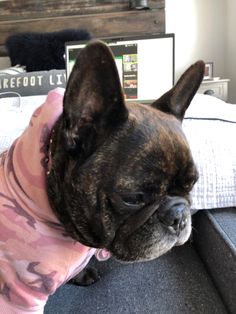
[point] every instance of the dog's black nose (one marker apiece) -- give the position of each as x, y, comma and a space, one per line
173, 213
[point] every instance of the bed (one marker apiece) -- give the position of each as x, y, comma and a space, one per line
209, 124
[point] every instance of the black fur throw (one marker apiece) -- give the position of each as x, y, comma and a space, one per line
42, 51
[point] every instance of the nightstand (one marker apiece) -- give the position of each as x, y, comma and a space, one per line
217, 88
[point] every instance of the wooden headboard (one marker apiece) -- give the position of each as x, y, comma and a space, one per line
100, 17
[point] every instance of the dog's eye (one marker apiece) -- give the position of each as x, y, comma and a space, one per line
124, 202
134, 200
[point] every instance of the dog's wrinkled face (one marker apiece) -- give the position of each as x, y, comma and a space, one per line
121, 173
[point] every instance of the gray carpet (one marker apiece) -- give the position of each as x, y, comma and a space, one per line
175, 283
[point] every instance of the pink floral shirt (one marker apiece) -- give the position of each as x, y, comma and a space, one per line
36, 256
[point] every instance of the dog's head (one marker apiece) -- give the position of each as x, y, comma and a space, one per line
121, 173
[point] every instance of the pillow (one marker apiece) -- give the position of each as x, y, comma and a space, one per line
211, 108
42, 51
33, 83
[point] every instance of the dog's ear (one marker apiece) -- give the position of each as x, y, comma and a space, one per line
177, 100
93, 103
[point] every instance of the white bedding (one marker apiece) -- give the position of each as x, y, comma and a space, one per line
15, 113
210, 126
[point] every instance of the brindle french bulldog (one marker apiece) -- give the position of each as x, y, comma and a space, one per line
121, 173
118, 177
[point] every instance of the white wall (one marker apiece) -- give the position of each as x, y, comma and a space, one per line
231, 48
199, 27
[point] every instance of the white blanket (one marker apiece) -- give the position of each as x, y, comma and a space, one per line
210, 126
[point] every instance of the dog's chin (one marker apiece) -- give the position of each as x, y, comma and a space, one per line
161, 242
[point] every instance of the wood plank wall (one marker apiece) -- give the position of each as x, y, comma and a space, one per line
101, 17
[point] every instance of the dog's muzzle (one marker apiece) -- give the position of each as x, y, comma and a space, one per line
172, 212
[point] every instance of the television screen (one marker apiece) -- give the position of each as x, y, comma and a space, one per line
145, 64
